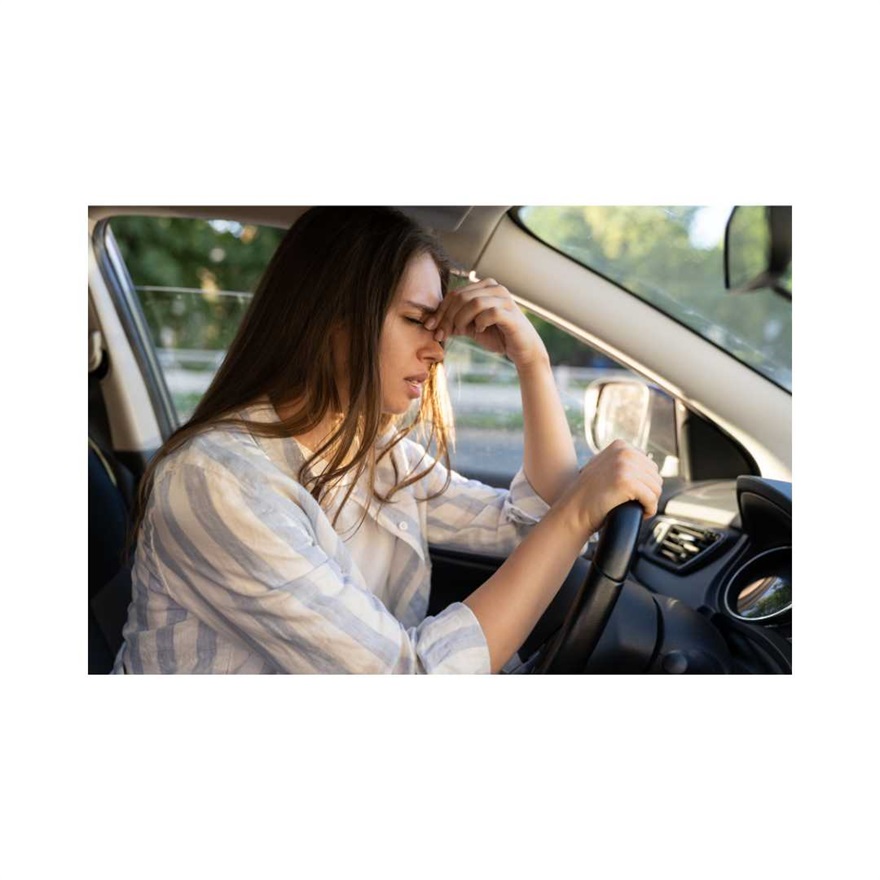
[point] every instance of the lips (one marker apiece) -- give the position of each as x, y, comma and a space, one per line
415, 383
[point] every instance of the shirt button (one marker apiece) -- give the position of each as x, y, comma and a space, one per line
402, 526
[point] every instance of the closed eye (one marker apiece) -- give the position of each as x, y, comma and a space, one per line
418, 321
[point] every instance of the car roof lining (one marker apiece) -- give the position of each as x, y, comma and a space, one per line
463, 230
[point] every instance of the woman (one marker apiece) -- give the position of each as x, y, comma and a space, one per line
285, 528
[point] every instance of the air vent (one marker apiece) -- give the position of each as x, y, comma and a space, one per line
677, 544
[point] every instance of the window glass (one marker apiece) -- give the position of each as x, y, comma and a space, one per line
485, 394
194, 280
672, 257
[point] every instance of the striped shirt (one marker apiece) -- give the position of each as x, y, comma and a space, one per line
239, 570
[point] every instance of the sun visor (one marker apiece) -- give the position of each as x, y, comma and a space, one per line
445, 218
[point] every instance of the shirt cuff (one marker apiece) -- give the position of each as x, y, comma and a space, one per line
524, 505
453, 642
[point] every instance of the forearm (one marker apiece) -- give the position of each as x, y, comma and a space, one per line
511, 602
549, 458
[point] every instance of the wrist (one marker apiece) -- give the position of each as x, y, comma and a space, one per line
539, 362
574, 512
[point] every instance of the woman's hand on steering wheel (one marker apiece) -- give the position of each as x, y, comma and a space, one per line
617, 474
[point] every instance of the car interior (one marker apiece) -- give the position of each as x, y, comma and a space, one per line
702, 587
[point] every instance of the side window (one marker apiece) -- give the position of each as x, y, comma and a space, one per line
194, 280
485, 394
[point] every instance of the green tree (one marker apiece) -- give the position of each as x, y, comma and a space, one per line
206, 270
652, 252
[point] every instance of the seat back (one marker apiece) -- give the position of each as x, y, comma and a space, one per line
109, 572
111, 491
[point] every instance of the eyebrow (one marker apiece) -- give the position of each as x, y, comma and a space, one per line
421, 306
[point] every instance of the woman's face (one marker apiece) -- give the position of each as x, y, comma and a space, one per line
406, 349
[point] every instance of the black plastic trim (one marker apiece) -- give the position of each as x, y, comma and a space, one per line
779, 220
712, 453
763, 503
754, 645
779, 561
649, 548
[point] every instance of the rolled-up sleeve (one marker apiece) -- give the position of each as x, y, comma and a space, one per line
471, 515
250, 563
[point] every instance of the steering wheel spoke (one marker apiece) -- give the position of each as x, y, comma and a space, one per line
569, 651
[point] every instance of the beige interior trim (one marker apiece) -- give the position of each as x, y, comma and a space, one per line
132, 424
465, 244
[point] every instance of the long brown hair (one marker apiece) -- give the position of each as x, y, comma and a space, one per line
335, 267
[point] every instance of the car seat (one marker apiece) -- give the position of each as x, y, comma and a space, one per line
111, 491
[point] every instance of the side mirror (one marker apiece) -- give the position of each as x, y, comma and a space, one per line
631, 410
757, 249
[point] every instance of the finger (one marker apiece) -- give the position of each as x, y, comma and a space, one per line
447, 304
636, 458
451, 302
454, 297
647, 495
480, 313
636, 475
652, 476
460, 313
491, 317
648, 470
482, 284
651, 479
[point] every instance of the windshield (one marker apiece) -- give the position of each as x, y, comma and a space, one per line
672, 257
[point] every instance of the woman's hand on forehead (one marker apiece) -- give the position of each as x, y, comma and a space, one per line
486, 312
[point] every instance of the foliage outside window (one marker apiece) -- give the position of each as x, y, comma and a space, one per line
672, 257
194, 280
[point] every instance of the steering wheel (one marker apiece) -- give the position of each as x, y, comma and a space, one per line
570, 649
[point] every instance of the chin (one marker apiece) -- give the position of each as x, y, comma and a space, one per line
398, 408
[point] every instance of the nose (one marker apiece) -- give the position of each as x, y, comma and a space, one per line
433, 352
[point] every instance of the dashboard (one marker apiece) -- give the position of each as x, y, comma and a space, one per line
723, 548
709, 590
